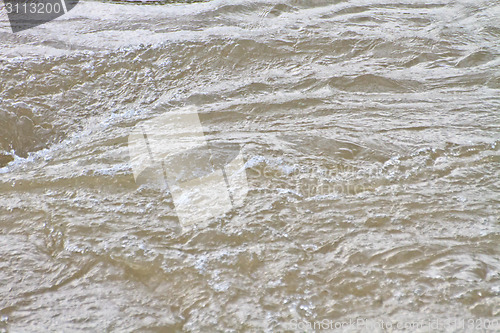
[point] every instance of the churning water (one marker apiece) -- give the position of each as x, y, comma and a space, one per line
370, 136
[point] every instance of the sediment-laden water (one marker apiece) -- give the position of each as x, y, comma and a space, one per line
370, 135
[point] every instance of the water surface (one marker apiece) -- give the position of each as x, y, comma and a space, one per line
370, 131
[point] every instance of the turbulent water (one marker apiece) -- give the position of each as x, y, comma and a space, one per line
370, 134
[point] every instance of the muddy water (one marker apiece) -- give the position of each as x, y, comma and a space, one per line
370, 134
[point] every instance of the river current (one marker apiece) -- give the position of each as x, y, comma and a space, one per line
369, 131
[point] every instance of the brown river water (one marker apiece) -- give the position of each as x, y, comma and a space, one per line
370, 135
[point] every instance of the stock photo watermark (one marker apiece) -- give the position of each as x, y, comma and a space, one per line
315, 181
205, 180
27, 14
335, 180
422, 325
